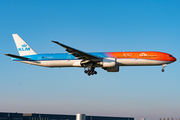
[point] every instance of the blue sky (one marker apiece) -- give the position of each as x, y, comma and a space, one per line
91, 26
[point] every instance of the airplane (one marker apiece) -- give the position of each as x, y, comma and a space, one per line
109, 61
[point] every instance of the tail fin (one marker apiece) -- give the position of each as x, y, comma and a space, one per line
22, 47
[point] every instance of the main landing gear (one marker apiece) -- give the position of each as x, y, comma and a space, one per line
90, 71
163, 66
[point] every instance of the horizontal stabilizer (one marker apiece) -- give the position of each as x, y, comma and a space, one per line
16, 56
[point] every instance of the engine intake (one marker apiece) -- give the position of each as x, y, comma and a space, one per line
109, 62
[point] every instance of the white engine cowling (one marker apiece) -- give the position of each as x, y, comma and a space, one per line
113, 69
109, 62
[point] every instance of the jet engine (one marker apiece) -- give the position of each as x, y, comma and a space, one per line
109, 62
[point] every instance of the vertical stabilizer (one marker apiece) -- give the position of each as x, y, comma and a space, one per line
22, 47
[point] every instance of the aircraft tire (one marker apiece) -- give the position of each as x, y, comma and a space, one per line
86, 71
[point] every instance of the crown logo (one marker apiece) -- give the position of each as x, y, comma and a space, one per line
24, 45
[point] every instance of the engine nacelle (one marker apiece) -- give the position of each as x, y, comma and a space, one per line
109, 62
113, 69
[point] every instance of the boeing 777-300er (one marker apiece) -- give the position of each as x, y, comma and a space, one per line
109, 61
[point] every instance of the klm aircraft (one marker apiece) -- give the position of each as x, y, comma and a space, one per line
109, 61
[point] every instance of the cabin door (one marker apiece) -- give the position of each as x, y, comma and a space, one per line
160, 56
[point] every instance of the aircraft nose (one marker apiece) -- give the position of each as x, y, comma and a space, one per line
173, 59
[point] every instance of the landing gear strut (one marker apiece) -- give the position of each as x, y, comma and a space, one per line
163, 66
90, 71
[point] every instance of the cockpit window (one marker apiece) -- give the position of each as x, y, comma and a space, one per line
170, 56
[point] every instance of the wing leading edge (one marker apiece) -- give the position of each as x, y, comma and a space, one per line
79, 54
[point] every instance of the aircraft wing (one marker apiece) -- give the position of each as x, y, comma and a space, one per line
16, 56
79, 54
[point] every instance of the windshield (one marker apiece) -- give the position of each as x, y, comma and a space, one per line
170, 56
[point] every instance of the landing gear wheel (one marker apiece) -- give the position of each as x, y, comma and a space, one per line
163, 66
89, 74
90, 71
86, 71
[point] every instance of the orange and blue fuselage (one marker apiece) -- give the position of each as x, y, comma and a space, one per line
143, 58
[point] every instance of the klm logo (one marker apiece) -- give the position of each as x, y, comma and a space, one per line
24, 48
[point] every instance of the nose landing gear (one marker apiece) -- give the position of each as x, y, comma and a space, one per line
163, 66
90, 71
